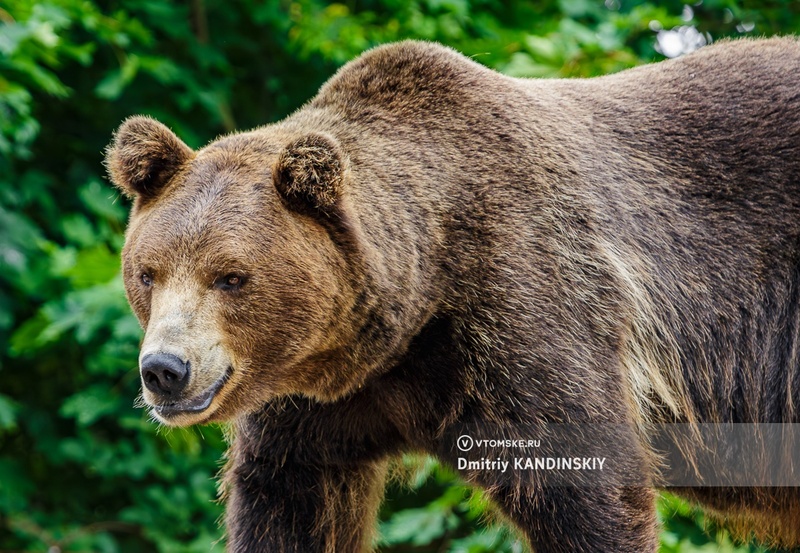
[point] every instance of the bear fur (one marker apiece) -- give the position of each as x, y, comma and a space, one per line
428, 246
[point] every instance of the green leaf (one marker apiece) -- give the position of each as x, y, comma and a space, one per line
102, 200
8, 413
88, 405
117, 80
78, 230
93, 266
417, 526
491, 540
27, 337
523, 65
41, 77
543, 48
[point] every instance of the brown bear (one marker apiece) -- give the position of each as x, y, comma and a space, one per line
430, 252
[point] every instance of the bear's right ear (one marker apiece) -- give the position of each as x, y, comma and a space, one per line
143, 156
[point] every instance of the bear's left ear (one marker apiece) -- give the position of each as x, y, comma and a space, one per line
309, 173
144, 156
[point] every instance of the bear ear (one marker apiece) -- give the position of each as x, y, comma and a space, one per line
309, 173
143, 156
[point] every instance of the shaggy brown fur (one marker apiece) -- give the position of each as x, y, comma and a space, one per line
429, 246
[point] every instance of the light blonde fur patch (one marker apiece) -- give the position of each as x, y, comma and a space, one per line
649, 355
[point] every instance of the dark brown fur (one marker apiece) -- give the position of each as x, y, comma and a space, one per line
429, 246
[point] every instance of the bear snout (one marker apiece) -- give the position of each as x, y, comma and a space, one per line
164, 374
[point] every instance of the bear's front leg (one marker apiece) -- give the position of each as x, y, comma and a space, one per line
307, 477
303, 509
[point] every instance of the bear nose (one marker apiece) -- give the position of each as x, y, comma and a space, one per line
164, 374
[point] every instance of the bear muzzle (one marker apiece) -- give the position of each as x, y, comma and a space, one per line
195, 404
166, 378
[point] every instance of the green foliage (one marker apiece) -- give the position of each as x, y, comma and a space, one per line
81, 469
433, 511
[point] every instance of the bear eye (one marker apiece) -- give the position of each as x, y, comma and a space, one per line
147, 279
230, 282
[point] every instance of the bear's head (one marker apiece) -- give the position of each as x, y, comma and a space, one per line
241, 265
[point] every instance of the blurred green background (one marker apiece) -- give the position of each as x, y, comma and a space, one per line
80, 468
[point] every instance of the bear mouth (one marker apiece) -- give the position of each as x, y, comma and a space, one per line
196, 404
